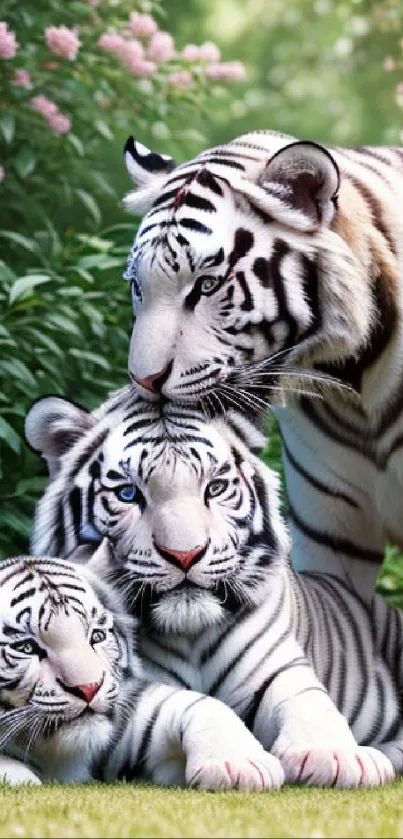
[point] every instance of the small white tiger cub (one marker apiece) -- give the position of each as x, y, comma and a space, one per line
195, 540
75, 707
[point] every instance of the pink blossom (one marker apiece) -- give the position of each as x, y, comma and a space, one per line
2, 174
93, 2
62, 41
22, 78
181, 80
131, 54
226, 72
389, 64
60, 123
144, 68
142, 25
111, 42
161, 47
209, 52
44, 106
8, 41
191, 52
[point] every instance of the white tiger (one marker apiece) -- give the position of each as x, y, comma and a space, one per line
74, 703
266, 254
195, 541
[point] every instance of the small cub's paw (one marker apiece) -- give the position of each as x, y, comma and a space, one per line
361, 766
257, 773
15, 773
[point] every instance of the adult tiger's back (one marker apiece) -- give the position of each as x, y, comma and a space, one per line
268, 246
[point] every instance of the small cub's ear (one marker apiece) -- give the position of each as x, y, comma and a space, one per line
53, 425
305, 177
149, 170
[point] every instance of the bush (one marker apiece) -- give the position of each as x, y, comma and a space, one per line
74, 76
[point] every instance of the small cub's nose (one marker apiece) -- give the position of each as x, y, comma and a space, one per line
182, 558
154, 382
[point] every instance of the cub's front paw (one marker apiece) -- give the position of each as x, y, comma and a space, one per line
14, 772
257, 772
361, 766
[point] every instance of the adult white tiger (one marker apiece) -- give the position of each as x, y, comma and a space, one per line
201, 552
267, 244
75, 705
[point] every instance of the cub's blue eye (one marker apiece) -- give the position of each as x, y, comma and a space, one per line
28, 646
126, 493
208, 285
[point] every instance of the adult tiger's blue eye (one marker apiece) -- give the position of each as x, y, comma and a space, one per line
126, 493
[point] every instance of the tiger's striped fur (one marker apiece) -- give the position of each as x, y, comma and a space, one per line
74, 703
196, 543
267, 246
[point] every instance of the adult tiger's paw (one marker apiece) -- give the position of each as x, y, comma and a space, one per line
15, 773
361, 766
256, 772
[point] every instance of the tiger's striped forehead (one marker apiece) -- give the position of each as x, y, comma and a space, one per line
33, 590
180, 446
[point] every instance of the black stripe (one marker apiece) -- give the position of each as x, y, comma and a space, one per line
199, 203
335, 543
193, 224
314, 481
249, 717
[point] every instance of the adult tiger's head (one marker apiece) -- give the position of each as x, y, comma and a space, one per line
241, 256
190, 514
65, 655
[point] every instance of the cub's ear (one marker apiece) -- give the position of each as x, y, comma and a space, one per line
304, 177
53, 425
149, 170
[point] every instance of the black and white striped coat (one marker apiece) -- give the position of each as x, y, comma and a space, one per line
268, 255
75, 705
195, 541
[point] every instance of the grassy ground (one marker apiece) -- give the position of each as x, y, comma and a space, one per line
128, 811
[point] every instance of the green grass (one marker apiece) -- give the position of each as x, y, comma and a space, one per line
123, 810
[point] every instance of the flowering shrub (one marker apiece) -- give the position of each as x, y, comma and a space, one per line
73, 77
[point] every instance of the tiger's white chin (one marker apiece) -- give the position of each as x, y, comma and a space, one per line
187, 612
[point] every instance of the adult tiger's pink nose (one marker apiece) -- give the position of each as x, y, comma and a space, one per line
88, 692
154, 382
182, 558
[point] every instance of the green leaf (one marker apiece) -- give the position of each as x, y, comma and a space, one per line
104, 129
101, 262
25, 285
90, 203
18, 369
25, 162
18, 239
85, 355
60, 323
77, 144
7, 127
95, 242
9, 436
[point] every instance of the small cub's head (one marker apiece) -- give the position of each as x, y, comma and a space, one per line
64, 655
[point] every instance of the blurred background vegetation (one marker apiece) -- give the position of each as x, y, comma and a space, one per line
326, 70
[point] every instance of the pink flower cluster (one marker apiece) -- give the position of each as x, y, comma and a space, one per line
22, 78
180, 80
129, 51
228, 71
144, 26
62, 41
206, 52
58, 122
8, 41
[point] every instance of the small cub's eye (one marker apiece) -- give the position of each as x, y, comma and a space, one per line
126, 493
216, 487
209, 284
97, 636
27, 647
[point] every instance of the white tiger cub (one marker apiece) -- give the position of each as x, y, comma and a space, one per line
196, 542
75, 706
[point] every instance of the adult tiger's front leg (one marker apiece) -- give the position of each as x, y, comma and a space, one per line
312, 739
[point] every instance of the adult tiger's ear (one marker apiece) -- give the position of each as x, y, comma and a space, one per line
303, 180
149, 170
53, 425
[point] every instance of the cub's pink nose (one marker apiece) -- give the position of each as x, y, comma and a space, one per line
182, 558
88, 692
154, 382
